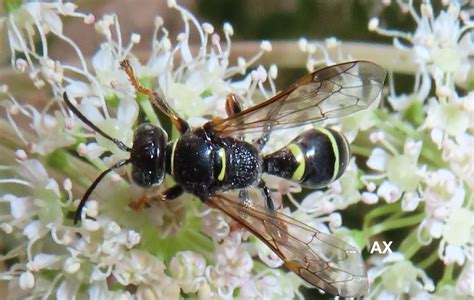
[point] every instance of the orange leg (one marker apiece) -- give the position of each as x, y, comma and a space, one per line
232, 105
144, 201
170, 194
180, 124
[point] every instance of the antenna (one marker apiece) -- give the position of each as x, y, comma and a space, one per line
83, 118
77, 216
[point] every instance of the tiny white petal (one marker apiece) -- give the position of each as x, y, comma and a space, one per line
20, 63
90, 225
228, 29
68, 289
331, 42
373, 24
7, 228
410, 201
262, 74
21, 154
327, 207
103, 60
26, 280
303, 44
69, 7
53, 21
454, 254
215, 39
135, 38
92, 151
389, 191
273, 71
369, 198
378, 159
82, 150
371, 186
53, 186
19, 207
32, 230
266, 46
33, 171
133, 239
46, 261
437, 135
436, 229
67, 184
335, 220
89, 19
92, 208
208, 28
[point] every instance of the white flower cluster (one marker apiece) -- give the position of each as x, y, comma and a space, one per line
433, 175
173, 249
414, 169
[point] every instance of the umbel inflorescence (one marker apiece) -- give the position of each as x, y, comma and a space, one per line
414, 171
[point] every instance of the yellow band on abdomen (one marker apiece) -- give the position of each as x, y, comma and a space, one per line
335, 150
299, 157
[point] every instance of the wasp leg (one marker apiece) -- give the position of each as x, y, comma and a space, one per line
275, 226
232, 105
169, 194
262, 141
142, 202
244, 196
269, 204
178, 122
172, 193
245, 200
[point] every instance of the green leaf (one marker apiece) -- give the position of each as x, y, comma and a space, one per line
11, 5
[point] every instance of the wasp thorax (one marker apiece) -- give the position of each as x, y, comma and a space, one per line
148, 155
314, 158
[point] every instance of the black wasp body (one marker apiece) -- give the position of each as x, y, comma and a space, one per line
203, 164
214, 161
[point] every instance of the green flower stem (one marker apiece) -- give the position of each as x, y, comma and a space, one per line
378, 212
403, 127
427, 262
394, 224
166, 248
198, 241
395, 216
360, 150
429, 152
447, 275
410, 245
68, 165
98, 163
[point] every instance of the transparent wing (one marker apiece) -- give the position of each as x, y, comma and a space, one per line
329, 92
321, 259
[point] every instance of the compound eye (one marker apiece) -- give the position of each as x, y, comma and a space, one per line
148, 155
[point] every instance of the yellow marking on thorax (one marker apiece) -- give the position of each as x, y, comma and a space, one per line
299, 156
222, 156
172, 156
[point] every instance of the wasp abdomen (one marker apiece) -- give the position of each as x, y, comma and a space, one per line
315, 158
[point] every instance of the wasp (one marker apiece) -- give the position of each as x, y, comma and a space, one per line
214, 163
